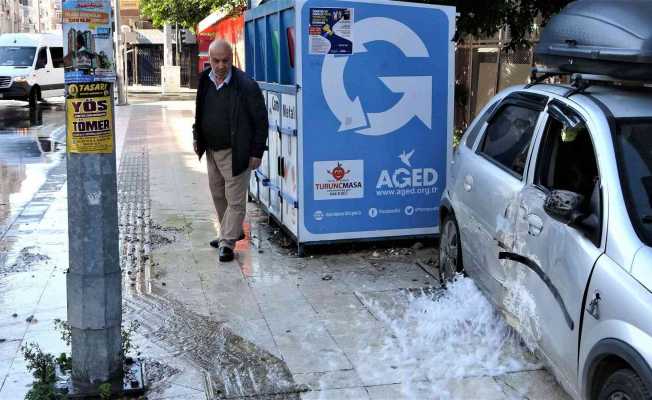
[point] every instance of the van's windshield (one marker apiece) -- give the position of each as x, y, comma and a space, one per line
634, 152
17, 56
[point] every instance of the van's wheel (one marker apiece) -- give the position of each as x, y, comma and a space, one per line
450, 250
34, 96
624, 384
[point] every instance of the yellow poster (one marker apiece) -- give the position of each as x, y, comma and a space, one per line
89, 120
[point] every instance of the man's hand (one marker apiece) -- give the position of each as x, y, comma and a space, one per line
254, 163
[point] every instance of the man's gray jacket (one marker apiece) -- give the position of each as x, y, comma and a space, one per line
249, 123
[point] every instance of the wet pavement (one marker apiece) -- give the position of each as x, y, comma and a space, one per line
31, 144
346, 322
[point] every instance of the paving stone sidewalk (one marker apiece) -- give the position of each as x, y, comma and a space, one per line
347, 322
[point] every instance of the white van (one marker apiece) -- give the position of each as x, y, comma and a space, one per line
31, 66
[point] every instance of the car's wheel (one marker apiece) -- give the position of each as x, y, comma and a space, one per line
34, 95
624, 384
450, 250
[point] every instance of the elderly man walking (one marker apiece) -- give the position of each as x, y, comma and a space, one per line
231, 128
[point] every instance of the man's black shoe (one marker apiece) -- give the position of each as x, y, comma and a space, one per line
226, 254
216, 242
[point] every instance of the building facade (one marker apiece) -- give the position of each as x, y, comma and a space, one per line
30, 16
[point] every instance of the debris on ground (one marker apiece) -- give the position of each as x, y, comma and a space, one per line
156, 371
26, 259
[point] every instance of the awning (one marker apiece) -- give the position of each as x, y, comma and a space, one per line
210, 20
145, 36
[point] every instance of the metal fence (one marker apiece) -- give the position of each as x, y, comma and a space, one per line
144, 65
188, 62
481, 71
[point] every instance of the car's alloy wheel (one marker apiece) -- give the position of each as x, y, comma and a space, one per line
624, 384
450, 254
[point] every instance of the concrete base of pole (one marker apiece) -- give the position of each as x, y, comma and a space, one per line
170, 79
132, 385
92, 369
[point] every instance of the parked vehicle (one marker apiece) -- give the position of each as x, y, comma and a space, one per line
549, 205
31, 66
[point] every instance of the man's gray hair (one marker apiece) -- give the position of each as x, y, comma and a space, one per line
218, 43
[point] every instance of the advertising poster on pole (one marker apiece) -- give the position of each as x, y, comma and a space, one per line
88, 42
89, 118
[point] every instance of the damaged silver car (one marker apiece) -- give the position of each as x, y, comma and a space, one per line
549, 203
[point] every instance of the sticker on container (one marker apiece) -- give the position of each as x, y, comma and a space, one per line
89, 119
342, 179
331, 31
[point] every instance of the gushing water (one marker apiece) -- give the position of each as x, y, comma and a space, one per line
453, 334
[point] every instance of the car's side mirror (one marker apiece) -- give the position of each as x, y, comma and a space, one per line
562, 114
564, 206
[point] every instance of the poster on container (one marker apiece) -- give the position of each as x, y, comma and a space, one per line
330, 30
380, 120
89, 119
88, 41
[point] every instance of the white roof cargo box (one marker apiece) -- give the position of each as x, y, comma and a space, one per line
601, 37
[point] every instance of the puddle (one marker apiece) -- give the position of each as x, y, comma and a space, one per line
17, 116
448, 334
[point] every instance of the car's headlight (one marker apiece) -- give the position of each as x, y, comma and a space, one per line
20, 78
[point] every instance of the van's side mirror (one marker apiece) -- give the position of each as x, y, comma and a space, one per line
564, 206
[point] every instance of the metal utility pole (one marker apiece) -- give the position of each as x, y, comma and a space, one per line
167, 45
94, 292
119, 57
170, 75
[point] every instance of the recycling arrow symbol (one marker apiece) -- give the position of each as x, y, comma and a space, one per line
417, 90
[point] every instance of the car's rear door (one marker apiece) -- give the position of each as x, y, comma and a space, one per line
493, 181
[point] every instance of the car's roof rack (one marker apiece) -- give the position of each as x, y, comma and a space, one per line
581, 81
539, 74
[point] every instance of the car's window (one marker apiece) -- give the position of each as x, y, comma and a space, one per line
508, 136
17, 56
567, 161
56, 53
634, 152
477, 128
42, 59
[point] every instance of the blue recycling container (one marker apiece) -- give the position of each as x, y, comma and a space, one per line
360, 103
